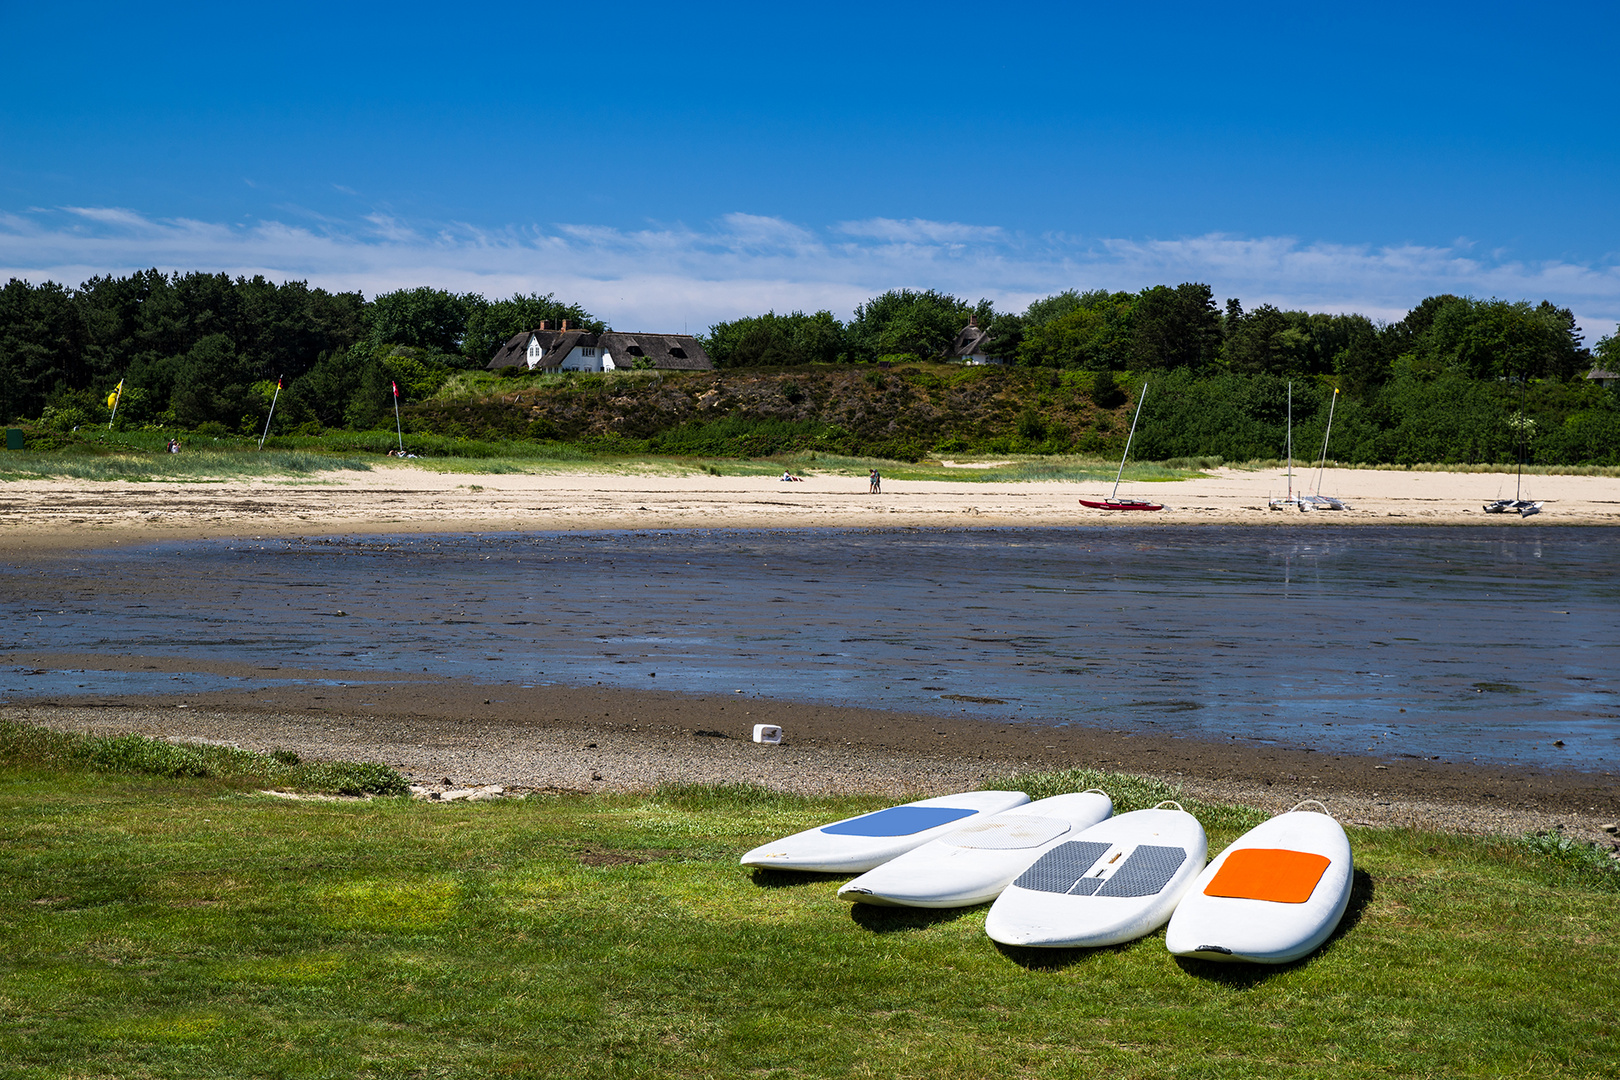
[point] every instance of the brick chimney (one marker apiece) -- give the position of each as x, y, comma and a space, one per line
973, 321
565, 326
542, 324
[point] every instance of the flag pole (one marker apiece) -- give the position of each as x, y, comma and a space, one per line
397, 429
116, 397
267, 419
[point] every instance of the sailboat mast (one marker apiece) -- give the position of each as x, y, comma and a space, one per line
1290, 442
1518, 483
1128, 438
1325, 436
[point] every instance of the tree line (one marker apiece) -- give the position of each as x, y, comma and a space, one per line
1177, 327
1458, 379
200, 349
206, 351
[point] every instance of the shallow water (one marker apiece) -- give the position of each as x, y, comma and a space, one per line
1480, 642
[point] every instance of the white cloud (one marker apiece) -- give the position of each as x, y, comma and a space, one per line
389, 228
668, 275
918, 231
109, 215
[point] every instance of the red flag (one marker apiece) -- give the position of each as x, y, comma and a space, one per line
395, 385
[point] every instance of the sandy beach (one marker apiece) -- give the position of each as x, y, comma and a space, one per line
68, 513
595, 739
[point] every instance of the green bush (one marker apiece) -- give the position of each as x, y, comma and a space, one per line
136, 754
744, 436
346, 778
1127, 792
1579, 857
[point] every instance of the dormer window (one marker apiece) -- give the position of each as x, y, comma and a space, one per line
678, 352
587, 350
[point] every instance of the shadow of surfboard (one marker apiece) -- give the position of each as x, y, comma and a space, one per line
1058, 959
889, 920
766, 877
1242, 976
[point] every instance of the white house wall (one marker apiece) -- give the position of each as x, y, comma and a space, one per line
576, 360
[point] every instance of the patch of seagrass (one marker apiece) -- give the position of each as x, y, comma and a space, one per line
1148, 870
1060, 868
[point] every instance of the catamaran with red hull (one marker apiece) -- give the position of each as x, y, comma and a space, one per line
1121, 504
1113, 502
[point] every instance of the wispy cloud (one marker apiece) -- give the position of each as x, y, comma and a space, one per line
667, 275
109, 215
918, 231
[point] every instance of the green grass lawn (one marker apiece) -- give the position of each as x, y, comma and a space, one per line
185, 926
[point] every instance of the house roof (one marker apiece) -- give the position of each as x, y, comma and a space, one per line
972, 340
510, 354
1602, 373
667, 352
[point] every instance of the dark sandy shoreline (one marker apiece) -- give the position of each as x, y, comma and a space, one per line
602, 738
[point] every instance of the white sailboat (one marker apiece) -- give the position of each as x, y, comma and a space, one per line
1518, 504
1291, 499
1319, 501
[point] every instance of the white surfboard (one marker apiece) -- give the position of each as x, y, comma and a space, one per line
1272, 897
976, 862
860, 843
1116, 881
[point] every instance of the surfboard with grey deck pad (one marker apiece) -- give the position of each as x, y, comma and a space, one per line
1119, 880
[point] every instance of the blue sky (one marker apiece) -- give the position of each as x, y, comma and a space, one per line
669, 164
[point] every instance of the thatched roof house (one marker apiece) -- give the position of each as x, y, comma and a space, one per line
971, 345
581, 350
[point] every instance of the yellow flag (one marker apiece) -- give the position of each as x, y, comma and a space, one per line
112, 398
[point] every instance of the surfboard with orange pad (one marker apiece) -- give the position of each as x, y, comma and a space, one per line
1274, 896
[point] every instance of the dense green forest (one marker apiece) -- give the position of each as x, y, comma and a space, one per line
1457, 380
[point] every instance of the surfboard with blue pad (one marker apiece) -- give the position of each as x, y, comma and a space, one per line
973, 864
898, 821
860, 843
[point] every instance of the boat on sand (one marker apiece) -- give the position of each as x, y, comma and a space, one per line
1113, 502
1518, 504
1319, 501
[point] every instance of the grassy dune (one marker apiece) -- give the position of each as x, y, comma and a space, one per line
306, 457
194, 467
184, 926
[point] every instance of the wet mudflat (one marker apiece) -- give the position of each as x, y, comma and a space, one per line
1444, 644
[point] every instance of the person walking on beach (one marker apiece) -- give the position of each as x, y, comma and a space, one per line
874, 482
